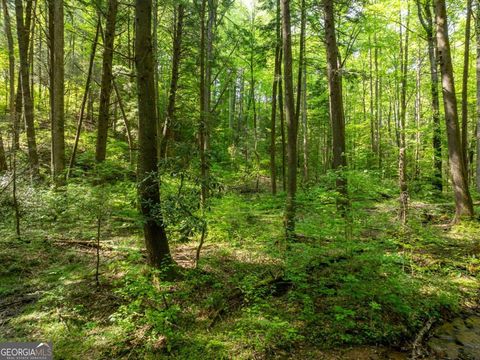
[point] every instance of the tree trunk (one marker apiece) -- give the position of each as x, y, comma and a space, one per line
336, 106
276, 80
203, 108
177, 49
58, 125
11, 79
206, 48
477, 29
23, 27
291, 122
3, 159
425, 16
301, 61
106, 87
148, 185
372, 98
84, 98
282, 122
402, 156
305, 125
11, 69
466, 58
463, 200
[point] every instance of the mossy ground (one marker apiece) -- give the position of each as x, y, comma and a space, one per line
343, 283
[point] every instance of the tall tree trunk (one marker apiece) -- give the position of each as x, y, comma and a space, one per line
466, 58
282, 122
11, 80
291, 122
23, 27
51, 61
276, 80
301, 60
377, 103
148, 185
177, 49
477, 34
11, 70
336, 105
204, 107
206, 59
84, 98
300, 108
157, 78
253, 100
106, 87
372, 98
418, 116
58, 125
426, 19
402, 156
304, 124
463, 200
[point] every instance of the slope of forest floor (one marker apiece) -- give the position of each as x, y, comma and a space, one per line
364, 287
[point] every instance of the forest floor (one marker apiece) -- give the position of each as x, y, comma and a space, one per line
366, 288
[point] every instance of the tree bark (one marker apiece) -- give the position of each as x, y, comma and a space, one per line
58, 125
336, 105
290, 208
148, 185
206, 48
23, 27
463, 200
282, 123
301, 60
304, 124
466, 58
106, 87
477, 30
276, 79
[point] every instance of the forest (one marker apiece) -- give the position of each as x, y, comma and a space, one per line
240, 179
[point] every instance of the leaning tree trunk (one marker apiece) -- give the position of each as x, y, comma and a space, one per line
23, 27
84, 98
336, 106
148, 185
291, 123
463, 200
106, 87
177, 50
